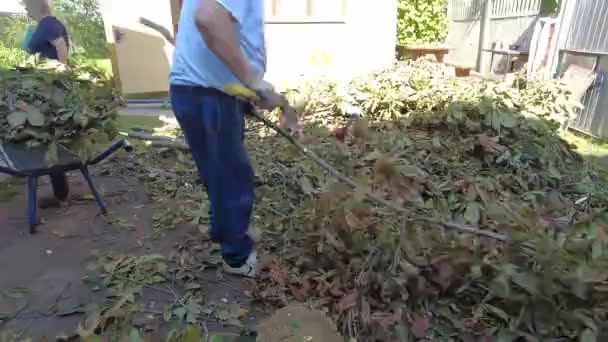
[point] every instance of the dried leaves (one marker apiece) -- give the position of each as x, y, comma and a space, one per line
451, 151
47, 105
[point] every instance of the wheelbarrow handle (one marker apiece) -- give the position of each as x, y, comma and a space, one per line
105, 154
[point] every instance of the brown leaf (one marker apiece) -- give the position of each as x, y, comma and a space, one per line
409, 189
336, 292
340, 133
300, 291
472, 193
354, 222
483, 194
361, 129
445, 274
490, 145
387, 319
366, 312
386, 169
602, 231
276, 273
347, 302
420, 327
486, 338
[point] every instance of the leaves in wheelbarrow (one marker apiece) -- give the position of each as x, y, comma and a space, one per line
45, 105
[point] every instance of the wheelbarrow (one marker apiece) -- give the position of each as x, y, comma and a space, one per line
20, 161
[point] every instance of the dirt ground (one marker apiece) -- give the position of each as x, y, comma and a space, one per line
41, 274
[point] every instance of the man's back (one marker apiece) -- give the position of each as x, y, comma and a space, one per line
195, 65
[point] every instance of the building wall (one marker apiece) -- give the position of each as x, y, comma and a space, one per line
335, 38
361, 40
11, 6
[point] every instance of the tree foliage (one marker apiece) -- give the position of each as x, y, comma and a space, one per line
81, 17
85, 25
421, 21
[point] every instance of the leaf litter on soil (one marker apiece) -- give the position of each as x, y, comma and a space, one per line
471, 152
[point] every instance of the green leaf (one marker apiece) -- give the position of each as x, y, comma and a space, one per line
506, 336
51, 157
507, 119
472, 213
35, 117
588, 335
134, 336
597, 249
180, 313
17, 119
167, 313
192, 334
485, 106
496, 120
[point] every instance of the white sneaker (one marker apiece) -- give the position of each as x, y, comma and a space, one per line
248, 268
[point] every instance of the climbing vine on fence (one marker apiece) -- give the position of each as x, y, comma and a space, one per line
421, 21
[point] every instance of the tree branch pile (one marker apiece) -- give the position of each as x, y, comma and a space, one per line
472, 153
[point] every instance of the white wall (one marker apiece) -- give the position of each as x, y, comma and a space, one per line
11, 6
362, 41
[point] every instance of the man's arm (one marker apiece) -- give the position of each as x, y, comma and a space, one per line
62, 49
216, 25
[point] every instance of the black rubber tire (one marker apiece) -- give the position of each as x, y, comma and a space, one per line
61, 188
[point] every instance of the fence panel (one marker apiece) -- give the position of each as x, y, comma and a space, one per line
464, 9
515, 8
511, 21
587, 35
589, 31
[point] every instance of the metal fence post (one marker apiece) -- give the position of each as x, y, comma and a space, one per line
484, 35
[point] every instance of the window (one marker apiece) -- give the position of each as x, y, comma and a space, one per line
306, 10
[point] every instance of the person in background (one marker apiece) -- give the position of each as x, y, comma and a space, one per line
51, 41
221, 42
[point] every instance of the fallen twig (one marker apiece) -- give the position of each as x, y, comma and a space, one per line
146, 137
171, 144
159, 141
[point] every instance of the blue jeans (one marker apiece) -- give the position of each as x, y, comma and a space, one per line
213, 124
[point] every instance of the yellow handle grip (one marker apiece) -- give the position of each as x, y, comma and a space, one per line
236, 89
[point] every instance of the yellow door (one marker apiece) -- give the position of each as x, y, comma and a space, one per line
141, 57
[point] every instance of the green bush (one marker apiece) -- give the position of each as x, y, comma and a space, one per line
82, 19
421, 21
12, 29
85, 25
10, 57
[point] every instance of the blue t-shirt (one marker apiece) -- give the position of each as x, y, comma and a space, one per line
49, 29
195, 65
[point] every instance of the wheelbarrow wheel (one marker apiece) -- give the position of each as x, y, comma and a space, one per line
61, 188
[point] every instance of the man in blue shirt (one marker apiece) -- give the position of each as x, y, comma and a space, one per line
50, 40
221, 42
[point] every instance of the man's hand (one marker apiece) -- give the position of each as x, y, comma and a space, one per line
62, 49
268, 98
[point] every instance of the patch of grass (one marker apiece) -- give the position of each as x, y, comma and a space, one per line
104, 64
126, 122
592, 149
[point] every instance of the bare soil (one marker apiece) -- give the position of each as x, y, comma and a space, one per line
42, 274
